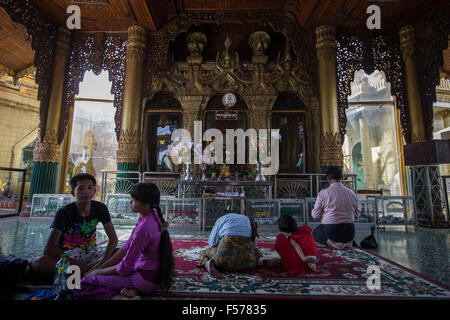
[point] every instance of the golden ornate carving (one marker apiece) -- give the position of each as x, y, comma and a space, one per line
227, 61
326, 51
196, 42
192, 105
47, 149
63, 42
258, 82
129, 147
129, 140
416, 138
259, 42
331, 150
228, 74
408, 42
293, 76
137, 40
135, 53
137, 35
260, 107
407, 36
326, 42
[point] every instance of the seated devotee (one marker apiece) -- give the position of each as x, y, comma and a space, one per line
73, 230
231, 245
14, 270
337, 208
145, 262
298, 251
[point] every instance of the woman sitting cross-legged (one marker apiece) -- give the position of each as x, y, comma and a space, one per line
298, 251
231, 245
145, 262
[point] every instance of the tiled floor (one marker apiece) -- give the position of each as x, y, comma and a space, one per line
426, 251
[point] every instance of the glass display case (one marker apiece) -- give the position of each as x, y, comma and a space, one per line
265, 213
46, 205
119, 209
295, 208
12, 191
183, 214
395, 211
215, 207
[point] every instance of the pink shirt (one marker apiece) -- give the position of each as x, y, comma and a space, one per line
142, 247
336, 204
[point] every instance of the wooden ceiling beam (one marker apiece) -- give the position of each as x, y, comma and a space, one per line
51, 11
305, 10
144, 14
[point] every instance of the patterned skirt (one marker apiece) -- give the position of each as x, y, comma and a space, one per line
234, 253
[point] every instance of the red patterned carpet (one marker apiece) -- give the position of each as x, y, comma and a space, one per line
340, 274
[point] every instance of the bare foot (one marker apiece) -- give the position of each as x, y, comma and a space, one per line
211, 268
311, 259
129, 293
120, 297
312, 266
335, 245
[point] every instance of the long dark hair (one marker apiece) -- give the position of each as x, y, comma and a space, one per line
149, 193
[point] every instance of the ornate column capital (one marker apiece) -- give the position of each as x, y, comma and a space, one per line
326, 42
47, 149
407, 42
192, 105
331, 150
63, 42
137, 42
260, 107
129, 150
260, 103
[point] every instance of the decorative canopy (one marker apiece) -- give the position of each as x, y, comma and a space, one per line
115, 16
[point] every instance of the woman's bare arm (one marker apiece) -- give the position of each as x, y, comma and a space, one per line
114, 260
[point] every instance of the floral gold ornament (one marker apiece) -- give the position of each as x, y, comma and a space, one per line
129, 147
48, 148
331, 150
136, 43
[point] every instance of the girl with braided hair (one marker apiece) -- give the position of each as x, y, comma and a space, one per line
144, 264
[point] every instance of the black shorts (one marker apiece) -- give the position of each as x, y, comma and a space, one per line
344, 232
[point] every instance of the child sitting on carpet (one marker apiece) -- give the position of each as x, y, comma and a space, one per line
298, 251
145, 262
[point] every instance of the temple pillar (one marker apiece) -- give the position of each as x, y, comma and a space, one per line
408, 47
47, 153
425, 184
330, 139
192, 105
65, 154
260, 107
129, 152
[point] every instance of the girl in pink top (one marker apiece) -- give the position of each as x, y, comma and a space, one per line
145, 262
